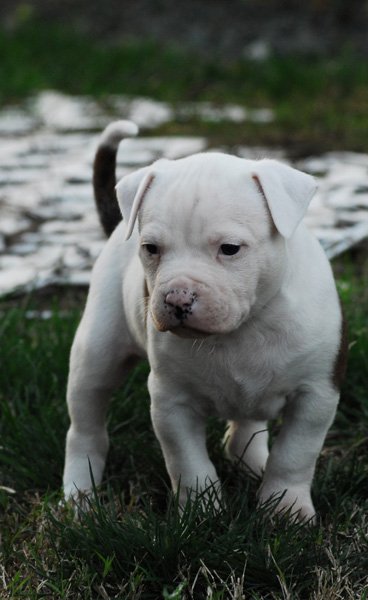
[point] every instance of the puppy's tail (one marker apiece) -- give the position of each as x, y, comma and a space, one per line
104, 168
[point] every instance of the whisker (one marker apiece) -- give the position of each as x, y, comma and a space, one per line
200, 345
143, 301
212, 350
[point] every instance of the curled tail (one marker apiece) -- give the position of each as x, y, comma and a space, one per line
104, 168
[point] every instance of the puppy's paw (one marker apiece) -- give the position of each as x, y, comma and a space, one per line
295, 501
76, 496
78, 501
208, 497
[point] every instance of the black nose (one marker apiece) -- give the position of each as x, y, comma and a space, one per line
181, 313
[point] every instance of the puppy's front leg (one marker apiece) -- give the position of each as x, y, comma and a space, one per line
291, 464
182, 435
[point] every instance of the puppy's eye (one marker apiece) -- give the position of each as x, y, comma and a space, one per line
229, 249
151, 248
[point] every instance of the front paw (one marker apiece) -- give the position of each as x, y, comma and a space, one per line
74, 495
294, 500
207, 495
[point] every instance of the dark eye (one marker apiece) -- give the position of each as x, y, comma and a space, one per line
229, 249
151, 248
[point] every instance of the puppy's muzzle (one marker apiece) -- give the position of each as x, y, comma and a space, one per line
185, 304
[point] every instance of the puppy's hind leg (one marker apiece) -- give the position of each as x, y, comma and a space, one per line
91, 383
101, 357
247, 441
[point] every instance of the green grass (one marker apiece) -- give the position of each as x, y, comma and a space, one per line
131, 543
318, 103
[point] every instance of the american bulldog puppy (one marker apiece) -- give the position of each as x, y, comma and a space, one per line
211, 275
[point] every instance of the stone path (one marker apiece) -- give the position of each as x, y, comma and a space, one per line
49, 232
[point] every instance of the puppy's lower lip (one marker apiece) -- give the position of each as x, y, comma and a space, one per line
189, 332
181, 330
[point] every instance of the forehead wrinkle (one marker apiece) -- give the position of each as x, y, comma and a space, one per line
197, 198
179, 199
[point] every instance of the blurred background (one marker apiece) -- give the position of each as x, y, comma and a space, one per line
257, 78
307, 61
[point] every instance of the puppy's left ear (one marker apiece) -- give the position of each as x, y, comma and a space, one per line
130, 192
287, 191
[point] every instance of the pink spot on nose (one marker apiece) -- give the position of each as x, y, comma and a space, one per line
181, 300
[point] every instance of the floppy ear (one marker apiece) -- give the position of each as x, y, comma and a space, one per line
287, 191
130, 192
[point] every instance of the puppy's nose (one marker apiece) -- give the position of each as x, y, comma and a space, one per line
181, 300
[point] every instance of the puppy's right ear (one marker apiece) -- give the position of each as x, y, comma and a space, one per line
130, 192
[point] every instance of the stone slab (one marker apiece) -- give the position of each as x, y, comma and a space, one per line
49, 230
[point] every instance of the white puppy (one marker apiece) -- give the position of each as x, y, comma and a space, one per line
213, 277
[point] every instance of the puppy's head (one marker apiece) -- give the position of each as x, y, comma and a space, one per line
212, 230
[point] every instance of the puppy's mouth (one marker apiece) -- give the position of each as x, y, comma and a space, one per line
189, 332
181, 329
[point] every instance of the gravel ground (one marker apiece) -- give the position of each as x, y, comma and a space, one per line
49, 231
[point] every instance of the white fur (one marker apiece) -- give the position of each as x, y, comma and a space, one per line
260, 332
117, 130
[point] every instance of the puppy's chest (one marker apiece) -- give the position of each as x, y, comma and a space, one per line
242, 383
